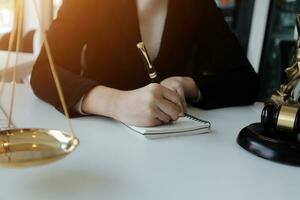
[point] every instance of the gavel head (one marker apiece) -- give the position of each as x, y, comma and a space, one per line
281, 119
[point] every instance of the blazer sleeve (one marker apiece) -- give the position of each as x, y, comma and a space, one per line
67, 37
223, 73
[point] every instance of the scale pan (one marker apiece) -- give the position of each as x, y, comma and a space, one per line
33, 147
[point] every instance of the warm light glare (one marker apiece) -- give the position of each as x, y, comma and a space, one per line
56, 6
6, 16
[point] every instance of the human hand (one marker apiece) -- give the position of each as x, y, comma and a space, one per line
184, 86
148, 106
176, 84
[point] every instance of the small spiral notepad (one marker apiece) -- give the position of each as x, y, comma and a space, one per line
188, 125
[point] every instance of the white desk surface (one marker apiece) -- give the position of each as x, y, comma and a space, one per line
24, 67
114, 163
23, 58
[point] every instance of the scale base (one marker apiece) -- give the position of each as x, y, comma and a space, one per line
270, 145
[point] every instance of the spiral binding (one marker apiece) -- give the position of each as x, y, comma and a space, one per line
197, 119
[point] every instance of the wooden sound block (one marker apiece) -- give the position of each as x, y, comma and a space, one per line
279, 147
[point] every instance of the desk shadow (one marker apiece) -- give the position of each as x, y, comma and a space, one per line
63, 182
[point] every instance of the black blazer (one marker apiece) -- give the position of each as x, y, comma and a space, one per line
196, 42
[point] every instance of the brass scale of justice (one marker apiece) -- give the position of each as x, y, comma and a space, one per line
32, 146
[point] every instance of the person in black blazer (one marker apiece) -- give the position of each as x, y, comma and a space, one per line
94, 48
